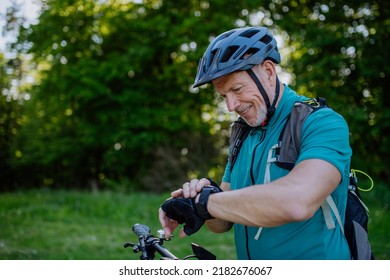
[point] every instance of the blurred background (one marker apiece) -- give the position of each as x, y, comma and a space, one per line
98, 114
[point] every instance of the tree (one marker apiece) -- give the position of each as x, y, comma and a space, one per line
338, 51
12, 96
112, 101
6, 124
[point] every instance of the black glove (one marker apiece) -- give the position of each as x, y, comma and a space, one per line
183, 210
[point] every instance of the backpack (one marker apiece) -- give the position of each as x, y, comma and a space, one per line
287, 150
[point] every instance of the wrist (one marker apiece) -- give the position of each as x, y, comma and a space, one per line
201, 201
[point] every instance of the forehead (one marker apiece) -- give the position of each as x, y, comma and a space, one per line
228, 81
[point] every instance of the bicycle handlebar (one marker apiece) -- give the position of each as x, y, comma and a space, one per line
148, 245
141, 230
163, 251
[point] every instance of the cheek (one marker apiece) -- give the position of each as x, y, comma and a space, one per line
258, 100
257, 97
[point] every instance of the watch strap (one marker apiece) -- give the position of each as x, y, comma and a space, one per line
201, 205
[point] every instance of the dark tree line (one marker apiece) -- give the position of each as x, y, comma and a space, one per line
98, 93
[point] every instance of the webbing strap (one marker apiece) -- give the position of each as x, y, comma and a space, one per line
333, 206
270, 159
260, 87
327, 215
326, 206
258, 233
267, 176
270, 107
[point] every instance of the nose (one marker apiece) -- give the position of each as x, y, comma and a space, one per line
232, 102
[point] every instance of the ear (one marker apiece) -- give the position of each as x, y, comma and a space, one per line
270, 69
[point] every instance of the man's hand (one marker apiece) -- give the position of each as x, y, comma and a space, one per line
180, 209
192, 188
175, 211
168, 225
188, 190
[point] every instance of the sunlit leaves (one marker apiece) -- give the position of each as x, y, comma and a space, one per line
110, 93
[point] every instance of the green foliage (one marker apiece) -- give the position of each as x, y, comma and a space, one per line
112, 105
112, 98
340, 53
10, 120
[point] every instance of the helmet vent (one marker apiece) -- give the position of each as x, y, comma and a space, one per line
250, 52
249, 33
266, 39
211, 57
228, 53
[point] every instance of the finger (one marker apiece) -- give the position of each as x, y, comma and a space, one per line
193, 187
172, 225
202, 183
165, 223
162, 217
186, 190
177, 193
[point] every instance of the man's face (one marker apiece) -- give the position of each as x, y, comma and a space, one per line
242, 95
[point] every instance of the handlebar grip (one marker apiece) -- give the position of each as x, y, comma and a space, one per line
141, 230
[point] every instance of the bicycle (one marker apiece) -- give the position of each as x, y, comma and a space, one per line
148, 245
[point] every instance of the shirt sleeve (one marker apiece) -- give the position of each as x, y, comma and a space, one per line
227, 173
325, 135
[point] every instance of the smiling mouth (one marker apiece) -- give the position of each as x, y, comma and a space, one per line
243, 112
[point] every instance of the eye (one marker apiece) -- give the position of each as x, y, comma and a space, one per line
237, 90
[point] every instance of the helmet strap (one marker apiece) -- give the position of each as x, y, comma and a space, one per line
270, 108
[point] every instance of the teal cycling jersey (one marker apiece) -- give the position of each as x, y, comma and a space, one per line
325, 136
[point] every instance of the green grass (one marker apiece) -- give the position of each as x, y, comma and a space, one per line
62, 225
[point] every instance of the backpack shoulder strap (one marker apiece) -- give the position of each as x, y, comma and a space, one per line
240, 131
289, 148
290, 137
326, 207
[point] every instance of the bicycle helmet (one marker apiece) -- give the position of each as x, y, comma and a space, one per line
236, 50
